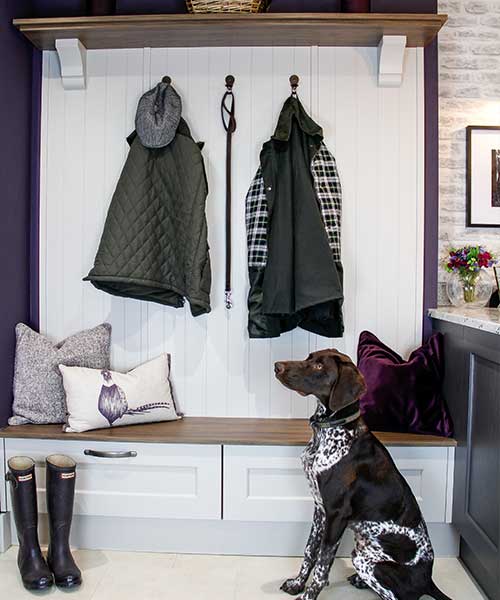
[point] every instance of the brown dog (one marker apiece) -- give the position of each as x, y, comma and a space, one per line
355, 484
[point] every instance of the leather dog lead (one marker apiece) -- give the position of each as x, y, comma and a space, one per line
229, 122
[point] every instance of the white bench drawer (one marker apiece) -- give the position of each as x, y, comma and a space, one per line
266, 483
429, 473
161, 481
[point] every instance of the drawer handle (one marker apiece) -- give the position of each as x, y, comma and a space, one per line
110, 454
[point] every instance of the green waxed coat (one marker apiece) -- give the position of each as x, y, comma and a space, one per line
301, 284
154, 245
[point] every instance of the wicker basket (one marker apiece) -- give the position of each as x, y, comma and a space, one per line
233, 6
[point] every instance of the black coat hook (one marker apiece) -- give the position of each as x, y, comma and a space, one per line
167, 80
294, 82
229, 83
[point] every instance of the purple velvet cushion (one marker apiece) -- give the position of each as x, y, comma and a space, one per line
404, 396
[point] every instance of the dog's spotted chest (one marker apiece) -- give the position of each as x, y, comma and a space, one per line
327, 447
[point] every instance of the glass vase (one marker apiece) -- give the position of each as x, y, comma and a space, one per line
471, 290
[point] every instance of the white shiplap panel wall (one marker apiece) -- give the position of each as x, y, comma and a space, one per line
377, 137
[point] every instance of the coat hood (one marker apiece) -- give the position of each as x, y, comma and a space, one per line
293, 109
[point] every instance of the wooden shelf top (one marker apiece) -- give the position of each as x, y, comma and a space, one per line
201, 30
204, 430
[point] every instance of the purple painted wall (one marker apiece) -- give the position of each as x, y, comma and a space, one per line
36, 114
305, 6
431, 214
57, 8
72, 8
16, 58
404, 6
54, 8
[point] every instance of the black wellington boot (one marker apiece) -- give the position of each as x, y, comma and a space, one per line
34, 571
61, 473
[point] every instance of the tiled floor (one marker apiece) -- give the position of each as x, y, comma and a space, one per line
124, 576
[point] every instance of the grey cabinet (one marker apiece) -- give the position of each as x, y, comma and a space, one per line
472, 388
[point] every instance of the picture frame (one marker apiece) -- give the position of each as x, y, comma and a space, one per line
483, 176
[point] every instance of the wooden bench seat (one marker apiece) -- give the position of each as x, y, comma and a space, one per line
209, 430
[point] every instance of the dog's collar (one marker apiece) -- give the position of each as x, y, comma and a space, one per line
334, 420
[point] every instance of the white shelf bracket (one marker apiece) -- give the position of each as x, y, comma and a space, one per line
391, 51
73, 60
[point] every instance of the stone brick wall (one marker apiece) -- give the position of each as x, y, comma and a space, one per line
469, 67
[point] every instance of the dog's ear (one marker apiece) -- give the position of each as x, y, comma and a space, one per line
349, 386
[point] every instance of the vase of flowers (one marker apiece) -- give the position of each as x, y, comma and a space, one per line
469, 284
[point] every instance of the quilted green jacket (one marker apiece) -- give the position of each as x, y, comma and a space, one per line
154, 245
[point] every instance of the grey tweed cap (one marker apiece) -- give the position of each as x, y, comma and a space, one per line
158, 116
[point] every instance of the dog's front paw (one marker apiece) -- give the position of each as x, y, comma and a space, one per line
308, 594
293, 587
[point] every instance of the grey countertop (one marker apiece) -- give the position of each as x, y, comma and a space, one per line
485, 319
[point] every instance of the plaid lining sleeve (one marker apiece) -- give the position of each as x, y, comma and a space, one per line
256, 221
329, 194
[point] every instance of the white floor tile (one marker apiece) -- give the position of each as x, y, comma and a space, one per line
132, 576
94, 566
451, 577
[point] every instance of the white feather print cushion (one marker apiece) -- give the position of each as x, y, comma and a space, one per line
99, 398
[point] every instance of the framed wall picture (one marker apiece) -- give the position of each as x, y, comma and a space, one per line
483, 176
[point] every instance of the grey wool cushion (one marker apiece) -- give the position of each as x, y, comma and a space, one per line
38, 388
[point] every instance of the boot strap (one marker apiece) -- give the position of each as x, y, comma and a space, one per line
12, 479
